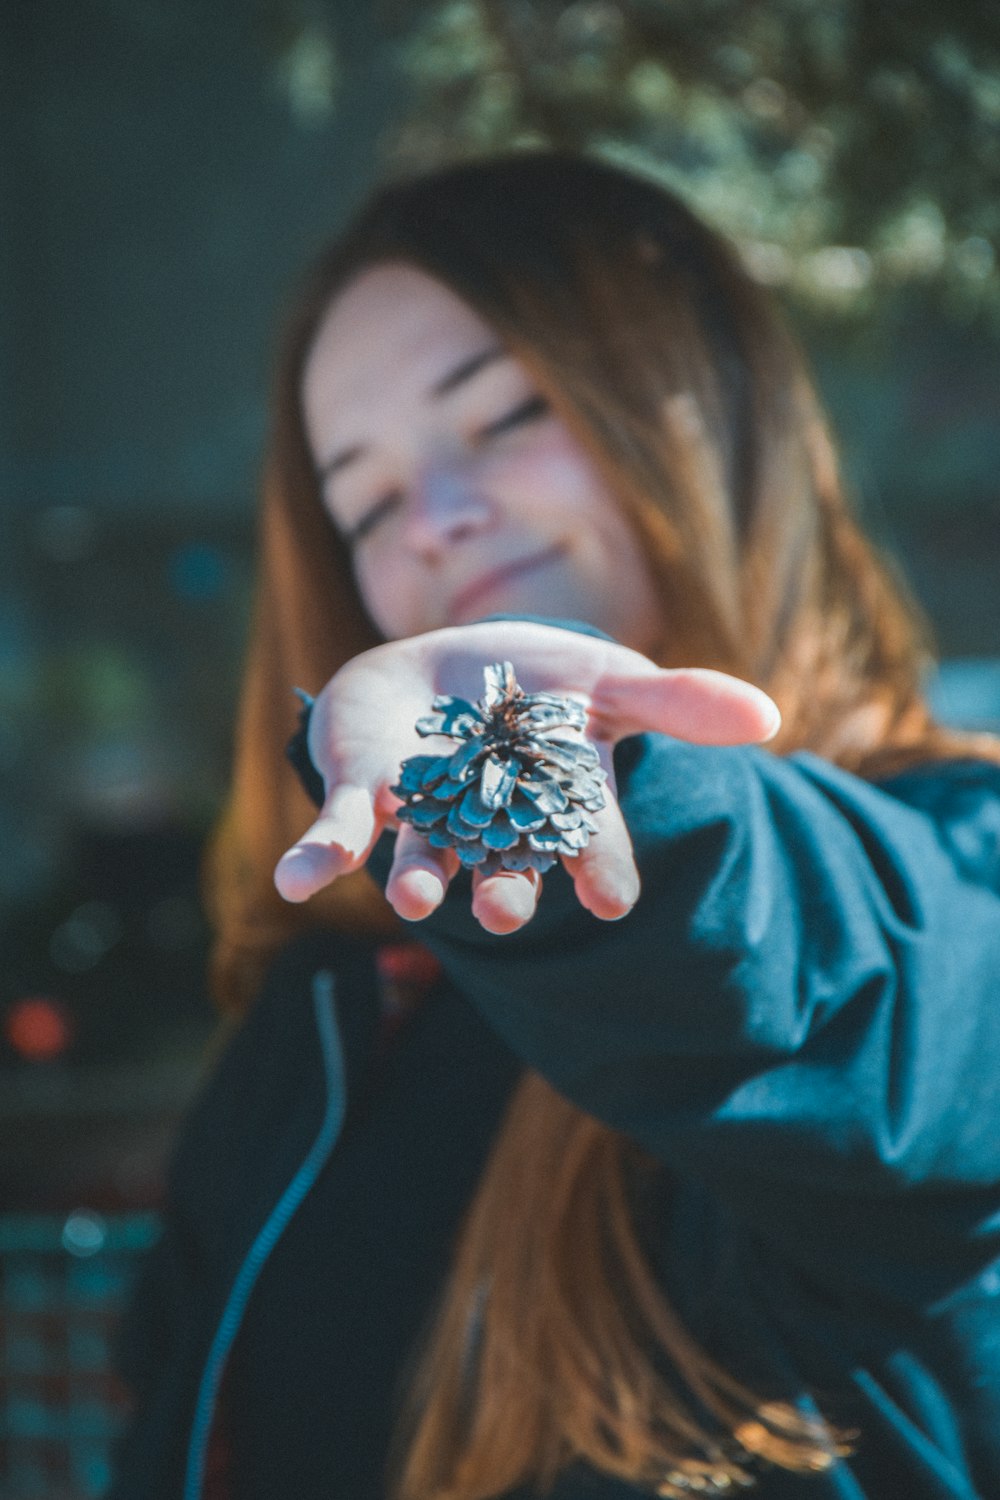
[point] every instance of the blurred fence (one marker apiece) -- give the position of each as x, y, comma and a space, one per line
63, 1281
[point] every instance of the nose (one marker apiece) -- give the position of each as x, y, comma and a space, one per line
444, 506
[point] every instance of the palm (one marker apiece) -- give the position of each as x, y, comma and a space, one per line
363, 727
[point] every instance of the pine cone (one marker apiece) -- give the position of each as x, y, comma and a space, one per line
512, 796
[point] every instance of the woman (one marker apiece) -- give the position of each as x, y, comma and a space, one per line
683, 1177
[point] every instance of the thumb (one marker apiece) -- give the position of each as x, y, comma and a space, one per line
338, 842
696, 704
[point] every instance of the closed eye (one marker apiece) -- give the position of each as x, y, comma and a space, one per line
529, 410
380, 511
526, 411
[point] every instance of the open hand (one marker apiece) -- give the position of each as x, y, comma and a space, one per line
362, 728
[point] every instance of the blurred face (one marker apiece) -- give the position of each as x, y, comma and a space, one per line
459, 493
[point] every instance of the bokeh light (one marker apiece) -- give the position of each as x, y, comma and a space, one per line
38, 1027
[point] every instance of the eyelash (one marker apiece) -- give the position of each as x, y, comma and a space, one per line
371, 518
527, 411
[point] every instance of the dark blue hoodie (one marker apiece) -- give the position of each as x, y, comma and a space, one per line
800, 1020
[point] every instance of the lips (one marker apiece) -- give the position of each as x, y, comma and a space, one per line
469, 598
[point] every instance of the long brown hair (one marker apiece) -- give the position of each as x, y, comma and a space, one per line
674, 370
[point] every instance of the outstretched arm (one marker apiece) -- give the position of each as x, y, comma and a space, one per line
800, 1004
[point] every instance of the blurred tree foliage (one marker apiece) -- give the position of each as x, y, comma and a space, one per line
850, 147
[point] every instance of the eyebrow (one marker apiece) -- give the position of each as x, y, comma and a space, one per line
443, 387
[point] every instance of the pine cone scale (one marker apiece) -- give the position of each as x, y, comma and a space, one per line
512, 795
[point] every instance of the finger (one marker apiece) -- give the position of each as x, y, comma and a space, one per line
604, 873
339, 841
420, 875
695, 703
505, 901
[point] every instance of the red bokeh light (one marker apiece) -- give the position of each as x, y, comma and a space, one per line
38, 1027
407, 963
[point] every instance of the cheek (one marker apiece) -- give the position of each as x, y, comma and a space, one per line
385, 590
568, 495
577, 490
552, 481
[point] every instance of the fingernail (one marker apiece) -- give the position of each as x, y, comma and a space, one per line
502, 903
774, 725
426, 887
609, 900
304, 868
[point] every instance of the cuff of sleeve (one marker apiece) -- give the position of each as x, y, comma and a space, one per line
297, 751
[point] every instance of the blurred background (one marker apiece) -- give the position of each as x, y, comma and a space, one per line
168, 168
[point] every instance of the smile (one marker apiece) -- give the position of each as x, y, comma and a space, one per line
468, 599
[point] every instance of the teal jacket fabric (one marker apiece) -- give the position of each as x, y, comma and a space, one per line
800, 1021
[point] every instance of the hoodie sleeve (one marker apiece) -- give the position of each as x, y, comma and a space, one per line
806, 989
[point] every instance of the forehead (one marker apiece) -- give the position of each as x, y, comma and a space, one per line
392, 329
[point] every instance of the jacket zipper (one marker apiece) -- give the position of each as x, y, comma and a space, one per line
272, 1230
